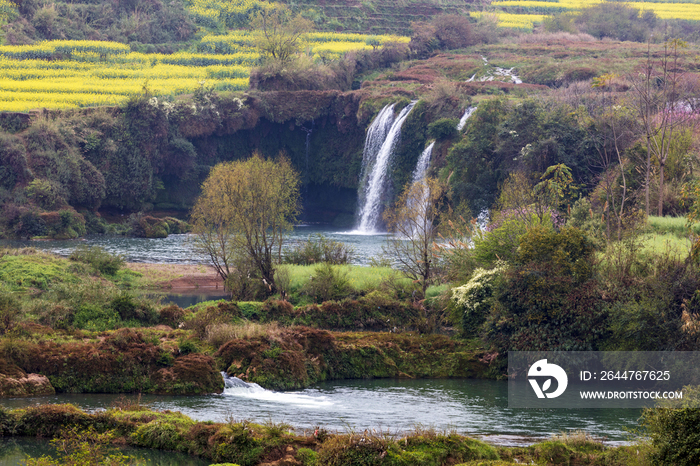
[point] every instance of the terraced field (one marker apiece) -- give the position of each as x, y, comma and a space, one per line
65, 74
523, 14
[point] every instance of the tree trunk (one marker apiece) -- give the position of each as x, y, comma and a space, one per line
647, 175
661, 189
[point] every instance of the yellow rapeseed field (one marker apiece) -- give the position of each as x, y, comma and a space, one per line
533, 11
64, 74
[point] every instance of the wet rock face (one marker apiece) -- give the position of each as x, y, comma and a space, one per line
15, 382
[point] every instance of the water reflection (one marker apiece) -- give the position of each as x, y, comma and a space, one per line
13, 452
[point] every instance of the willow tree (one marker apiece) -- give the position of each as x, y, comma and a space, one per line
245, 210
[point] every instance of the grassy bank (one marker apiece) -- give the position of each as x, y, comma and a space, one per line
248, 444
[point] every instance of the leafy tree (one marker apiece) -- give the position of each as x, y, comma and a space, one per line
412, 220
245, 209
278, 33
549, 299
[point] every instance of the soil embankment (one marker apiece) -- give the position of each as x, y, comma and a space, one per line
179, 278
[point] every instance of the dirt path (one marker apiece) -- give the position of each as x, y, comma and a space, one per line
179, 277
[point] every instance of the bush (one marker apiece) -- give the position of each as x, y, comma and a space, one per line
187, 346
47, 194
453, 31
473, 300
98, 258
444, 128
130, 309
674, 429
172, 315
222, 313
548, 299
319, 248
96, 318
218, 334
9, 311
327, 284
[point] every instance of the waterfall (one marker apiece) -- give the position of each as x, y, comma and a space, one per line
376, 134
423, 164
418, 176
465, 117
381, 140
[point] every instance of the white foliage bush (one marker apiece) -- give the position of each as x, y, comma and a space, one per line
473, 298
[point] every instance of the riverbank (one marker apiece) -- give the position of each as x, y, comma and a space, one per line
250, 444
178, 278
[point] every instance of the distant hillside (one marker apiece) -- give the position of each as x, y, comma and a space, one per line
166, 26
377, 16
126, 21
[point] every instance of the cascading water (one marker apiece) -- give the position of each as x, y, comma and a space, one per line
423, 164
235, 387
381, 140
376, 134
463, 121
418, 176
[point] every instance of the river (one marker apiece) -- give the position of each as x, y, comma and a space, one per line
474, 407
177, 249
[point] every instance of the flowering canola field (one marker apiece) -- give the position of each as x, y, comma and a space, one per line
65, 74
532, 11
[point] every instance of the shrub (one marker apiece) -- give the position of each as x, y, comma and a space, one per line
187, 346
319, 248
95, 317
674, 429
9, 311
220, 314
474, 299
444, 128
82, 446
98, 258
47, 194
328, 283
452, 31
130, 309
172, 315
548, 300
218, 334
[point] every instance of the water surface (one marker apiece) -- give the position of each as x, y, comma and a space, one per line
178, 249
473, 407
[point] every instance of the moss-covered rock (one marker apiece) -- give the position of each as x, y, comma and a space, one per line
300, 356
123, 362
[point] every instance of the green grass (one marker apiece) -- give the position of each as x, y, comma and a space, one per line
666, 243
362, 279
38, 270
676, 225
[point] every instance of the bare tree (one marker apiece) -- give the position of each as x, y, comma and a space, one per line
613, 128
665, 102
412, 220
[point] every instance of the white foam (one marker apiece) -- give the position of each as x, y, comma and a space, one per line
236, 387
